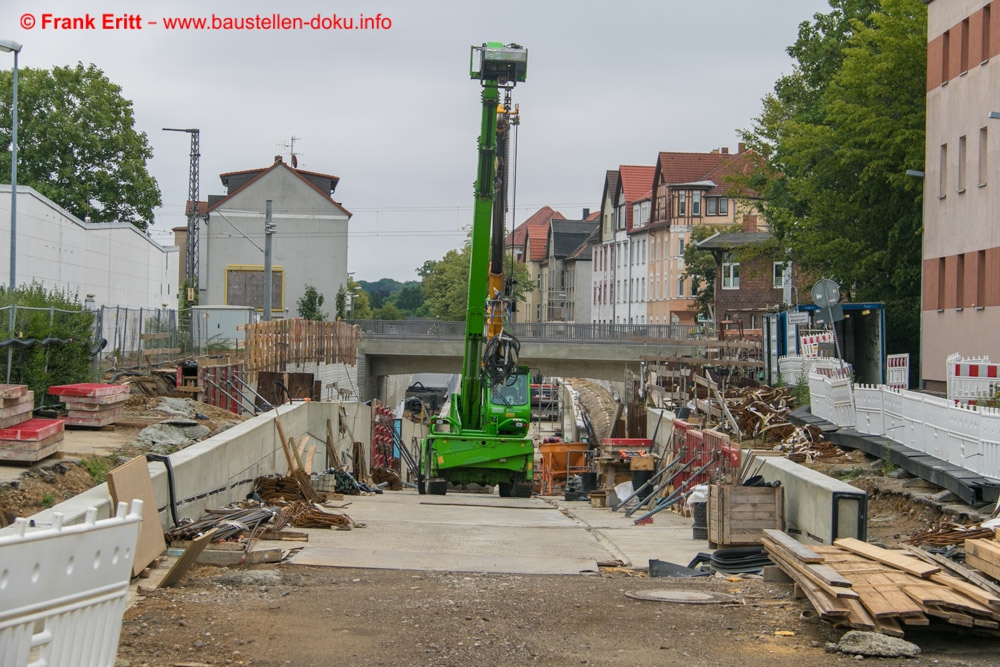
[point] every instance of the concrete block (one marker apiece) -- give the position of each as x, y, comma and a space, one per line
818, 508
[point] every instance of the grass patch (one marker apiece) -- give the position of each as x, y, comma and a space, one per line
48, 500
97, 468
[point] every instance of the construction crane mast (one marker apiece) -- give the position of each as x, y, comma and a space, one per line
194, 178
483, 438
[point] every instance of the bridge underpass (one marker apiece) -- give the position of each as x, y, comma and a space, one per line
599, 352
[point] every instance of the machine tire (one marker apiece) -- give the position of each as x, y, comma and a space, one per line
505, 489
421, 489
522, 490
436, 487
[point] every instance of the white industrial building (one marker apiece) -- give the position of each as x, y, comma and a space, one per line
114, 261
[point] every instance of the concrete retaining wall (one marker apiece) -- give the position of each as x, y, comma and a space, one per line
221, 469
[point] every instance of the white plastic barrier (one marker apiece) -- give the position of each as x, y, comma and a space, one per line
972, 379
832, 399
868, 408
62, 590
898, 370
790, 368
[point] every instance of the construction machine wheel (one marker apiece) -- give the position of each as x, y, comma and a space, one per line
505, 489
436, 487
421, 489
522, 490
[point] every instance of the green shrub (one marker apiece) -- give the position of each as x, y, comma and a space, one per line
97, 468
42, 367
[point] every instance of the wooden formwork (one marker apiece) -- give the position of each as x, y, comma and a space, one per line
271, 346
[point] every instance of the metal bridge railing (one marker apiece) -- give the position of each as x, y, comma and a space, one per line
530, 331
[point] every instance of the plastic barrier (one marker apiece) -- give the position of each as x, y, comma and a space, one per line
63, 590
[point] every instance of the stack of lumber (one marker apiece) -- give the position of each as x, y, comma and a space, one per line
984, 555
869, 588
23, 439
92, 404
16, 404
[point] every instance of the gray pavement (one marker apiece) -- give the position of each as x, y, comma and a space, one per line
485, 533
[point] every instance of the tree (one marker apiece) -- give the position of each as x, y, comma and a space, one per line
410, 298
836, 138
310, 303
446, 287
77, 144
389, 312
699, 266
341, 303
360, 308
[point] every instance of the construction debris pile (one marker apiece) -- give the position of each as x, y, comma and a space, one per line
866, 587
23, 439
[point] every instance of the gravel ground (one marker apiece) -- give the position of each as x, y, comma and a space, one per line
277, 615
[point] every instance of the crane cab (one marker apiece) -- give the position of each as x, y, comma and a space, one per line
509, 405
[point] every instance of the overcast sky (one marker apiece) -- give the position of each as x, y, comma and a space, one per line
394, 114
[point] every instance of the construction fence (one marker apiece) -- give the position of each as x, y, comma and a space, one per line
274, 345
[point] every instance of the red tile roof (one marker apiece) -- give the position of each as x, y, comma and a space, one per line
594, 216
634, 182
535, 228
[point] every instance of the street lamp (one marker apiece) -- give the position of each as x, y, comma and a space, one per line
8, 46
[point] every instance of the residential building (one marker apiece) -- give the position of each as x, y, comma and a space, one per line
748, 287
961, 240
627, 256
563, 267
113, 261
309, 244
688, 190
528, 244
603, 255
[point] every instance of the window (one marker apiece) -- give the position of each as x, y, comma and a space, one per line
945, 51
960, 282
980, 279
245, 286
643, 253
538, 313
680, 204
730, 272
942, 267
680, 286
779, 274
985, 55
943, 180
983, 156
964, 54
642, 293
711, 206
723, 206
961, 164
696, 204
680, 246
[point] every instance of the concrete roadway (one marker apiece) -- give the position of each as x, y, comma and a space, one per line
486, 533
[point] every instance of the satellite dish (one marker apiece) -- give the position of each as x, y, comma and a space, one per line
825, 293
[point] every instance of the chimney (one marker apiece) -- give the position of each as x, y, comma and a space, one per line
277, 158
741, 147
725, 150
586, 213
750, 224
715, 151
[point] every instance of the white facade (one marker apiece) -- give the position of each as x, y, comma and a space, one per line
309, 245
114, 261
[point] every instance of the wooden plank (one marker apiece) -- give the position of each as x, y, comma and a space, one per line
187, 559
309, 459
126, 483
984, 555
957, 569
858, 616
809, 574
332, 459
165, 350
788, 543
154, 336
896, 559
981, 596
888, 626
